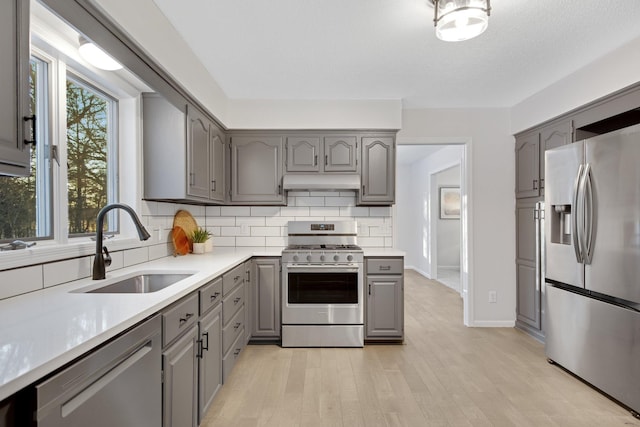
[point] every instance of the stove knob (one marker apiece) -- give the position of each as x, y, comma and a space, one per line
295, 258
322, 257
309, 257
336, 257
349, 257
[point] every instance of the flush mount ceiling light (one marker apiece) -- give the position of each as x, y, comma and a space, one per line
96, 56
458, 20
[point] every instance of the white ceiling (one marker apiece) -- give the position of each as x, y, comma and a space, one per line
387, 49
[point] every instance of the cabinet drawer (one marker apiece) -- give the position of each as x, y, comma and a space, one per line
179, 318
231, 304
210, 295
385, 266
232, 330
232, 279
231, 357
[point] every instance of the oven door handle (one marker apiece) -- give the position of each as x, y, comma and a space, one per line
323, 268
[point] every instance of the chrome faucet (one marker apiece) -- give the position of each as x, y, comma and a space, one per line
102, 260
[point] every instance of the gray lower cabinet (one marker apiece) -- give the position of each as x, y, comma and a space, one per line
257, 170
265, 298
183, 152
529, 285
248, 303
209, 359
179, 363
233, 318
384, 289
14, 90
378, 171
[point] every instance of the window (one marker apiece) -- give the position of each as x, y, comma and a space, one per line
91, 183
26, 211
90, 171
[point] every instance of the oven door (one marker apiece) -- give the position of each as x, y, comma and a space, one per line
322, 295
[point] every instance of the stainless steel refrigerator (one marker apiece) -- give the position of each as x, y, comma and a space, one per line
592, 242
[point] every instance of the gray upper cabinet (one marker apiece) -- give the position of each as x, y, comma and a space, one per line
14, 90
183, 153
551, 137
199, 158
340, 154
528, 165
378, 171
256, 170
303, 154
265, 298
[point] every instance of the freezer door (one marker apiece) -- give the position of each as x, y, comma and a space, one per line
563, 259
614, 160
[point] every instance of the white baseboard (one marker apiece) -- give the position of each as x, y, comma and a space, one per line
493, 324
417, 270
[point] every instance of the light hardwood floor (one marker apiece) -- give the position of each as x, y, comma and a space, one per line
444, 375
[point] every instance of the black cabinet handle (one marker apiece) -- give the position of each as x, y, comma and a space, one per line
200, 349
205, 346
32, 119
237, 325
214, 296
385, 267
535, 184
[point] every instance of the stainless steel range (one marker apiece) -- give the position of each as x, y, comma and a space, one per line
322, 285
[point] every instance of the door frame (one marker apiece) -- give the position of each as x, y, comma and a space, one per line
466, 211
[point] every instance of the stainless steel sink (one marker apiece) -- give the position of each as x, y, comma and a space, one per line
141, 284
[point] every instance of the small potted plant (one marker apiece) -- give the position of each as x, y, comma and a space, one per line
199, 238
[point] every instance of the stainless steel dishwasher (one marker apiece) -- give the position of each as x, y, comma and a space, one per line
118, 384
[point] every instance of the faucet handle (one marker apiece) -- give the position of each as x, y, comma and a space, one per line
106, 256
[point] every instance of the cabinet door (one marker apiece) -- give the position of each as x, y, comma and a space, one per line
378, 171
266, 298
528, 165
552, 137
217, 167
256, 170
14, 90
199, 157
302, 154
179, 389
340, 154
210, 360
248, 303
527, 284
385, 306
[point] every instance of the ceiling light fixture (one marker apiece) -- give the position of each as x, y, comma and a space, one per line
96, 56
458, 20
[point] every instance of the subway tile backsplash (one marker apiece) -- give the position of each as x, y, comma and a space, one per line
231, 226
267, 225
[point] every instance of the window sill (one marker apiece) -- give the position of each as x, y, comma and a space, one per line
45, 252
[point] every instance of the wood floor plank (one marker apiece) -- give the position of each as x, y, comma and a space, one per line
445, 374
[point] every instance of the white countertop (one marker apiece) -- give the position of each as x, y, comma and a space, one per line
44, 330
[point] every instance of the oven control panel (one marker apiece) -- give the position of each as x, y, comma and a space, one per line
321, 257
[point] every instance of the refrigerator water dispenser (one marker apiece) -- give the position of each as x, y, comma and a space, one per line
561, 224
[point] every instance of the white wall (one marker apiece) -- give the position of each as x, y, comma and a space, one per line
448, 230
614, 71
491, 205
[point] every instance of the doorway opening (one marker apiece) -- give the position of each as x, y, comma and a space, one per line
433, 174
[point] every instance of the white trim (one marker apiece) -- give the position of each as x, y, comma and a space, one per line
494, 324
417, 270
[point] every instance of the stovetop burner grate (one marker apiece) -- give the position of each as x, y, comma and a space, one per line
323, 247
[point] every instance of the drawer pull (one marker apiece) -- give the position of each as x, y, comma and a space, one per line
237, 300
235, 279
385, 268
214, 296
186, 317
237, 325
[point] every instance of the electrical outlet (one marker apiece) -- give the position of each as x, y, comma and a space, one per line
493, 296
244, 229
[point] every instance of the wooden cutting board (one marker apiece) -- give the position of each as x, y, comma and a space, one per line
184, 220
180, 240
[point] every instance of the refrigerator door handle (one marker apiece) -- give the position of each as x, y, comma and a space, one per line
590, 212
577, 247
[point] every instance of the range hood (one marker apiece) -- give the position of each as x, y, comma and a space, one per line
321, 181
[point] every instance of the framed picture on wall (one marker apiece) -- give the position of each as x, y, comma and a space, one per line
449, 202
